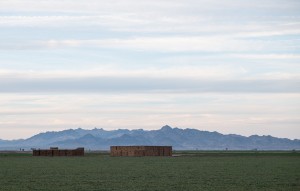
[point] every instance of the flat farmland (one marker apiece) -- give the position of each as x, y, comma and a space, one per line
188, 171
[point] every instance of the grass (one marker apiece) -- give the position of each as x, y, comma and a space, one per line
201, 170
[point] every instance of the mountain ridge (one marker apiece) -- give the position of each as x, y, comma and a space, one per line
180, 139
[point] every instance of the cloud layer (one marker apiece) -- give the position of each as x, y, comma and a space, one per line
231, 66
146, 84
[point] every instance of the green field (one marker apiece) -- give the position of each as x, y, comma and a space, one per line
189, 171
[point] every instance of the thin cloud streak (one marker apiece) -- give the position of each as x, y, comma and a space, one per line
146, 84
159, 44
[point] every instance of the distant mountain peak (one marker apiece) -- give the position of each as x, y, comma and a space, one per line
166, 127
88, 136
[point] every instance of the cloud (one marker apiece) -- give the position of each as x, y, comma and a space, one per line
244, 114
158, 44
145, 84
228, 66
169, 24
268, 56
109, 21
136, 5
193, 72
189, 17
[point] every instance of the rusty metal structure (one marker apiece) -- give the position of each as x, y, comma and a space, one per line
54, 151
139, 151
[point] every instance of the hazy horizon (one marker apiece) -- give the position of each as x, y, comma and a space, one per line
226, 66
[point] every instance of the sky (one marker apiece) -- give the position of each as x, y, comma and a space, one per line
229, 66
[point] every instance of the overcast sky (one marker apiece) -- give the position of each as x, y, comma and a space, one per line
229, 66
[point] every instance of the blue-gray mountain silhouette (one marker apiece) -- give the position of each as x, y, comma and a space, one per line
180, 139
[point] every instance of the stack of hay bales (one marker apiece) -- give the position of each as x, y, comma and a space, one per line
139, 151
54, 151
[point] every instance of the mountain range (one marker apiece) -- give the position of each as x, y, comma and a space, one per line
180, 139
